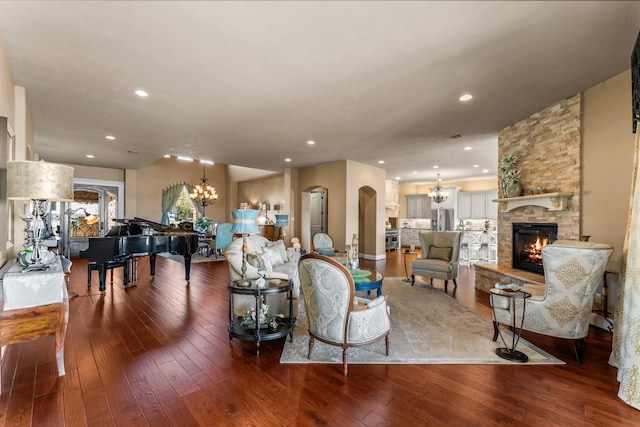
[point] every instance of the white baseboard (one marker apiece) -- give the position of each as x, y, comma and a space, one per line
374, 257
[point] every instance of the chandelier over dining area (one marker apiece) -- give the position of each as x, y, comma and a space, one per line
203, 194
438, 196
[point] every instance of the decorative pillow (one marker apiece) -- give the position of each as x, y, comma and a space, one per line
252, 259
273, 254
436, 252
282, 249
264, 263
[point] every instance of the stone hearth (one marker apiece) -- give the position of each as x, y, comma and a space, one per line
548, 147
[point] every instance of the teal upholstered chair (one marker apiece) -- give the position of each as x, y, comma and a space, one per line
335, 315
439, 256
224, 236
323, 244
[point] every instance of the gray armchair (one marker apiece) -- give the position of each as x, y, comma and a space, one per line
439, 257
335, 315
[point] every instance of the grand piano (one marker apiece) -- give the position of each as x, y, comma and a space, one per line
138, 236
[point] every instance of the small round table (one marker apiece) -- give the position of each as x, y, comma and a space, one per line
367, 282
506, 352
262, 332
404, 257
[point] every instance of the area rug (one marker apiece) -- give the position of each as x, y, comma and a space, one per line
195, 258
427, 327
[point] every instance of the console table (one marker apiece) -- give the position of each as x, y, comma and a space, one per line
34, 304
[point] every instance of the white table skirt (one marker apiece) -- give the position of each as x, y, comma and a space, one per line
34, 288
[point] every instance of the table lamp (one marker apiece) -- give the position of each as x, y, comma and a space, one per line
38, 182
244, 222
282, 220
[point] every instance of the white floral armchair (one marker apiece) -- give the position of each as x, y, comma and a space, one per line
335, 315
562, 307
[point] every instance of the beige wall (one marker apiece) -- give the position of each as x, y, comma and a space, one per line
343, 180
371, 217
608, 145
267, 190
333, 177
7, 97
152, 179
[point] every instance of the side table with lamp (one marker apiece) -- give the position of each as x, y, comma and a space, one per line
244, 223
34, 296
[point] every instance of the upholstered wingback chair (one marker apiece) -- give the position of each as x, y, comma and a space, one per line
323, 244
335, 315
562, 307
439, 256
224, 236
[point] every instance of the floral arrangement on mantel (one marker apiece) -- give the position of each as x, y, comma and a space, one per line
264, 318
510, 176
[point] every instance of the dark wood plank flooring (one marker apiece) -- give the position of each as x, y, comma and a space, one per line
158, 354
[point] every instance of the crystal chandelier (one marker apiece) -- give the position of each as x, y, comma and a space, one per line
438, 195
203, 194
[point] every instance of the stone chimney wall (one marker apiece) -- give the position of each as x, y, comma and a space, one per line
548, 145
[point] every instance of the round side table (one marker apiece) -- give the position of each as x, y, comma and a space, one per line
506, 352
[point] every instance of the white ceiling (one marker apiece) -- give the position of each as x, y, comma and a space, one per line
248, 83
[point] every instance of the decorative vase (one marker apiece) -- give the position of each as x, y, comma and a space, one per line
512, 190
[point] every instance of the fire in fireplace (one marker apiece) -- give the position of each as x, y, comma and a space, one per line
528, 240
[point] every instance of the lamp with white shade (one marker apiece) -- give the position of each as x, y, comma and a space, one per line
39, 182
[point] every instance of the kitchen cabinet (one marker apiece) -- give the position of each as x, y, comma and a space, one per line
410, 236
478, 205
418, 206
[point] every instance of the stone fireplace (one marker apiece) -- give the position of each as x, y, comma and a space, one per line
548, 145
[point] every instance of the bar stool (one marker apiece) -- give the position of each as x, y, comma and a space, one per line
474, 244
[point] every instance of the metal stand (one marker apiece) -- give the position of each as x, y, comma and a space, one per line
506, 352
406, 273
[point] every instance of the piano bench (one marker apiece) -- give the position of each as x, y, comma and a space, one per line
109, 266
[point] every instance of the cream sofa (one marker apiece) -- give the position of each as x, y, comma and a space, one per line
274, 254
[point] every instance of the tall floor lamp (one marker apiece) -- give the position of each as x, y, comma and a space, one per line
38, 182
244, 222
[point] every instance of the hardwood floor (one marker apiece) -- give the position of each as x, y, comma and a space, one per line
158, 354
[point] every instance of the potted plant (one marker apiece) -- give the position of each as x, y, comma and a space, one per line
510, 176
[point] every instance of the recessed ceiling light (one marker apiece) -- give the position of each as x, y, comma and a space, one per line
467, 148
380, 162
310, 142
110, 137
436, 167
476, 166
141, 93
485, 170
206, 162
185, 158
466, 97
397, 178
415, 172
167, 156
90, 156
287, 159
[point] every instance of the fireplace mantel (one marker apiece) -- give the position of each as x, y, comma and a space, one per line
551, 201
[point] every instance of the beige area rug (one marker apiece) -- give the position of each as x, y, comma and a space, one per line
427, 327
195, 259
